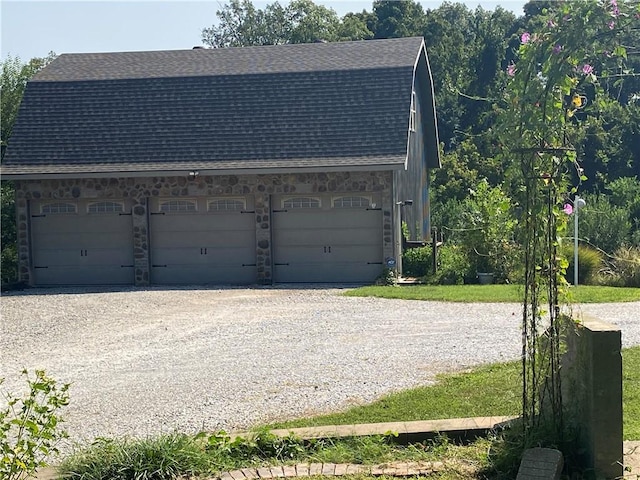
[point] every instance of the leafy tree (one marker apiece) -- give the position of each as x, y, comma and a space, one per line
302, 21
397, 19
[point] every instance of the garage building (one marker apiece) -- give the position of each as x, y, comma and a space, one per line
288, 163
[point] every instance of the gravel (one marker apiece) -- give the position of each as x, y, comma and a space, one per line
145, 361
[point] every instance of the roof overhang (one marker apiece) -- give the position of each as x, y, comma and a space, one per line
154, 169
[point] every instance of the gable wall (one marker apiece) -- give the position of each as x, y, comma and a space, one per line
140, 190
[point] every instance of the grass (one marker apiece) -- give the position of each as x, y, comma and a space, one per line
489, 390
493, 293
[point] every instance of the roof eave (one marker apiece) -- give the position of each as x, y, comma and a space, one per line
202, 172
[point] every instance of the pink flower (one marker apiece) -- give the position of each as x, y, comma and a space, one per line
612, 25
511, 70
525, 37
587, 69
568, 209
551, 24
557, 49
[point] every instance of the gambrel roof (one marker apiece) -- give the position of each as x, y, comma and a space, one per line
322, 106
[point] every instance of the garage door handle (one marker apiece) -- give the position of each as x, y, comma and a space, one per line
248, 264
159, 266
374, 208
37, 216
247, 211
281, 264
83, 253
279, 211
121, 214
39, 267
126, 266
374, 263
157, 213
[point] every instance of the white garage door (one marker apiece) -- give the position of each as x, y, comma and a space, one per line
203, 241
327, 238
87, 242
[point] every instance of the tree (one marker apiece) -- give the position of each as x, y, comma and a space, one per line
397, 19
302, 21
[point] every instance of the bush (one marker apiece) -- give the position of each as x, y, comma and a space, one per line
486, 231
604, 225
589, 263
453, 266
30, 426
416, 262
623, 269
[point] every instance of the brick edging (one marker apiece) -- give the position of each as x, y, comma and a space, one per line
393, 469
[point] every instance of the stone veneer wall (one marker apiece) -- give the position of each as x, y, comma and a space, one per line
139, 190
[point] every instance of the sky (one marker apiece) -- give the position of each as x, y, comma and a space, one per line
33, 28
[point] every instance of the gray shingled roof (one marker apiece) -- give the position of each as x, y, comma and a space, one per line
330, 105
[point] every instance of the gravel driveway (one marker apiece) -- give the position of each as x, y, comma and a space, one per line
156, 360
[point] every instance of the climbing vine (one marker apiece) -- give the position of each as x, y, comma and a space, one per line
558, 83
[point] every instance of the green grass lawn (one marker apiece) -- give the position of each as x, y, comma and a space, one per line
490, 390
493, 293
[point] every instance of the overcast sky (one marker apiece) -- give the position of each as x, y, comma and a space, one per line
34, 28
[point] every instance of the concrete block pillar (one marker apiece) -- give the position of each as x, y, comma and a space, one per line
592, 395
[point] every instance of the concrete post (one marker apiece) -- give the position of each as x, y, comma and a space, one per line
592, 394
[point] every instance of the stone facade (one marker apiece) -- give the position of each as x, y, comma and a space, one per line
140, 189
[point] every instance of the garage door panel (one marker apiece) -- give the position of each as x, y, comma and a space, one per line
72, 275
342, 272
203, 247
205, 274
327, 245
82, 248
302, 254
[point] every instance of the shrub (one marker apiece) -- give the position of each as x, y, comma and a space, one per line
604, 225
30, 426
487, 231
453, 266
589, 263
623, 269
416, 262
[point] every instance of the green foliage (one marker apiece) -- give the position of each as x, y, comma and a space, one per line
163, 457
9, 252
625, 193
603, 225
241, 24
486, 232
623, 268
30, 427
589, 263
397, 19
453, 266
416, 262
